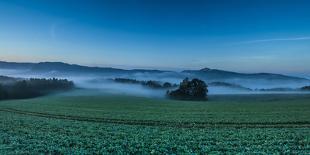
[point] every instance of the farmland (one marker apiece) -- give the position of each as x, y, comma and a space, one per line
93, 123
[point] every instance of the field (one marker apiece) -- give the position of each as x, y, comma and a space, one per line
100, 124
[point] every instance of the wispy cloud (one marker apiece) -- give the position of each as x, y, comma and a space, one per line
274, 40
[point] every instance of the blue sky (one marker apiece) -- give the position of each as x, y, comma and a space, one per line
237, 35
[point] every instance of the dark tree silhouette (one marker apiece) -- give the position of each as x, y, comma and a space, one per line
190, 90
150, 84
167, 85
305, 88
33, 88
3, 93
125, 80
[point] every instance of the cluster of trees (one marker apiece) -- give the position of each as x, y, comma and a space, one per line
156, 84
194, 89
306, 88
150, 83
125, 80
33, 88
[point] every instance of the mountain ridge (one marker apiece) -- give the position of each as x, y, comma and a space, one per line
213, 73
61, 66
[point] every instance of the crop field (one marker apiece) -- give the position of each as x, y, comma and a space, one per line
100, 124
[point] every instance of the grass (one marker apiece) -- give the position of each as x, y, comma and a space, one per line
65, 124
237, 109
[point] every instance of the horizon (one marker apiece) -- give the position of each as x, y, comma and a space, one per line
159, 69
260, 36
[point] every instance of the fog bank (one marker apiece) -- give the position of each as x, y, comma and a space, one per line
101, 83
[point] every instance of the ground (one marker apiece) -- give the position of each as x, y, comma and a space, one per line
100, 124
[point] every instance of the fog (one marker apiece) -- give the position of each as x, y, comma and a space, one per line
267, 84
100, 83
110, 87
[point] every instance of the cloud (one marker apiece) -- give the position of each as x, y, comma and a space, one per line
274, 39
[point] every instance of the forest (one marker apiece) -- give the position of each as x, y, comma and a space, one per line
33, 88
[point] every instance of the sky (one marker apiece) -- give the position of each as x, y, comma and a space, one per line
237, 35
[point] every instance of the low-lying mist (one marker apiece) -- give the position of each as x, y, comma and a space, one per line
108, 86
100, 83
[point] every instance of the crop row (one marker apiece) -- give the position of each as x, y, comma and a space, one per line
165, 123
25, 134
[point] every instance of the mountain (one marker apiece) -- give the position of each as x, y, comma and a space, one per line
64, 67
15, 65
252, 81
67, 68
215, 74
54, 66
228, 85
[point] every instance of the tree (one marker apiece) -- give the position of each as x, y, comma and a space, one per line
167, 85
3, 93
152, 84
190, 90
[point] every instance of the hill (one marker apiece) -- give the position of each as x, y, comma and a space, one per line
68, 68
221, 74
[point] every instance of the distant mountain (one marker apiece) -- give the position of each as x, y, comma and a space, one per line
228, 85
15, 65
67, 68
215, 74
64, 67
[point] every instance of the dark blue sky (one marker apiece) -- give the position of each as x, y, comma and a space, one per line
239, 35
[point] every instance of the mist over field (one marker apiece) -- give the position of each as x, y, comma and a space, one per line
102, 83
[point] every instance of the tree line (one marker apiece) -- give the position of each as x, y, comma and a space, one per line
33, 88
305, 88
150, 83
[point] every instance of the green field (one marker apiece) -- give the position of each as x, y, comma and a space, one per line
99, 124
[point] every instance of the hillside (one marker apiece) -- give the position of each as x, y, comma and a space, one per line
65, 67
221, 74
